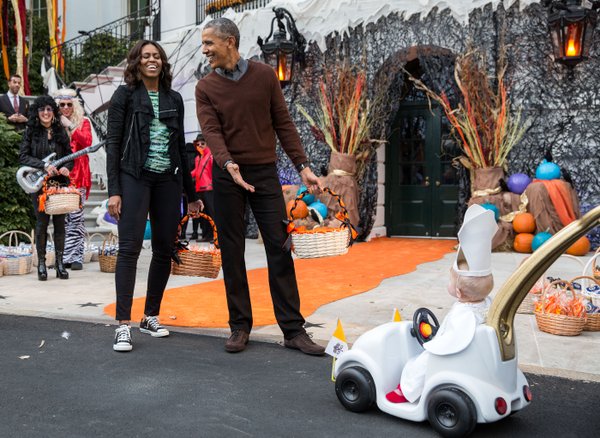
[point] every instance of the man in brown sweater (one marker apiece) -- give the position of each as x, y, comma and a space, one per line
241, 109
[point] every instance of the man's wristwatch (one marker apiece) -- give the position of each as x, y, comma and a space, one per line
226, 163
300, 167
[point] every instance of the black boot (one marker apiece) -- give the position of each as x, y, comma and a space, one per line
61, 272
40, 246
41, 268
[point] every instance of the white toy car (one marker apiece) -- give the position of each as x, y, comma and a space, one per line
463, 389
479, 384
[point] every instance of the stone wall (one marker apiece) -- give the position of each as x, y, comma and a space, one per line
563, 105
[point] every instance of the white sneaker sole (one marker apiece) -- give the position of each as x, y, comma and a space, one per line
122, 347
155, 334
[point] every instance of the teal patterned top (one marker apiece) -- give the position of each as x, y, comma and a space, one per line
158, 155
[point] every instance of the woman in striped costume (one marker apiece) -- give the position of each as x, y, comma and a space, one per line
80, 133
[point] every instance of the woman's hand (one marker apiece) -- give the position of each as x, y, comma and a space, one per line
195, 207
114, 206
64, 171
52, 171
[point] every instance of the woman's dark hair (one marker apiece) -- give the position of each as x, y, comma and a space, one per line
132, 72
58, 131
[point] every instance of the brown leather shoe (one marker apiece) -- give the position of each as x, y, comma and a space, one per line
237, 341
305, 344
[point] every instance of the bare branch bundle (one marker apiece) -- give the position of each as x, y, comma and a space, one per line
483, 123
344, 114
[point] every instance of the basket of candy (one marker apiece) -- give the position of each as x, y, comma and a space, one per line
321, 241
197, 260
17, 257
560, 311
58, 196
589, 288
535, 293
107, 257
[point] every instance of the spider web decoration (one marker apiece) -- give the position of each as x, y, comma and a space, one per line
563, 106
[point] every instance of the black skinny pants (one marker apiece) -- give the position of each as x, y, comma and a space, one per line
269, 210
41, 228
160, 196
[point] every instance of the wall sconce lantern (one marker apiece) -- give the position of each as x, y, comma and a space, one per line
279, 52
571, 24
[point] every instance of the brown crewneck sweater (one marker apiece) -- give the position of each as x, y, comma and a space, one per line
240, 119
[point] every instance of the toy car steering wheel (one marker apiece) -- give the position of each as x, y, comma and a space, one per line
425, 325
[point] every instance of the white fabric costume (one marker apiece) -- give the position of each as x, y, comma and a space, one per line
455, 334
458, 328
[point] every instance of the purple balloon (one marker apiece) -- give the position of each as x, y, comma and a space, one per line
518, 182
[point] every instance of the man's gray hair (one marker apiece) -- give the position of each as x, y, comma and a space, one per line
225, 28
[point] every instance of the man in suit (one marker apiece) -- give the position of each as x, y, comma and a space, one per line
13, 106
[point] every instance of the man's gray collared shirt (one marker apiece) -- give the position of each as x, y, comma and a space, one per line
238, 71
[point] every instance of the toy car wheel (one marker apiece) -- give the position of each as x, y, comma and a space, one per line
451, 412
355, 389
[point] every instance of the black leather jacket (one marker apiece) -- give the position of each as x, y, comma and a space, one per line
128, 140
35, 147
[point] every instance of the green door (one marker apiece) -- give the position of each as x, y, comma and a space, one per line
421, 184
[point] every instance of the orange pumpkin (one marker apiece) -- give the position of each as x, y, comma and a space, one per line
300, 212
524, 223
522, 242
580, 248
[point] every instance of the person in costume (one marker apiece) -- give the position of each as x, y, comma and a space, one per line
44, 135
147, 170
471, 282
202, 174
242, 111
80, 133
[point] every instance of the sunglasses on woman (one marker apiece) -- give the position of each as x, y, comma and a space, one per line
47, 109
64, 104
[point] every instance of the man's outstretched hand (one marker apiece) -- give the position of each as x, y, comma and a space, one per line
234, 171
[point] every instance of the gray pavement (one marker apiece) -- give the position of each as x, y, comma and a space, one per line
61, 379
84, 295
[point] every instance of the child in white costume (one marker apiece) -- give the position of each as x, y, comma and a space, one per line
471, 282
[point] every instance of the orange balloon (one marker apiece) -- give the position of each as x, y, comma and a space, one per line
522, 242
524, 223
580, 248
300, 211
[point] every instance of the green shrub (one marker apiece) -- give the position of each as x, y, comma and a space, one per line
16, 211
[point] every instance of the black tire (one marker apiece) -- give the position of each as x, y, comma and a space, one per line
451, 412
355, 389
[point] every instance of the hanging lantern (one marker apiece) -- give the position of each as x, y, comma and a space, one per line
571, 24
280, 52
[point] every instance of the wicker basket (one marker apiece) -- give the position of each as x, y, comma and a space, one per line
90, 254
592, 266
16, 263
62, 203
528, 304
58, 196
314, 243
592, 323
201, 262
562, 325
108, 262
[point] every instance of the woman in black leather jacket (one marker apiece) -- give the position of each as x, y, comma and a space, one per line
44, 135
147, 167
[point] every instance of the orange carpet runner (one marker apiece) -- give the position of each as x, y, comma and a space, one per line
320, 281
